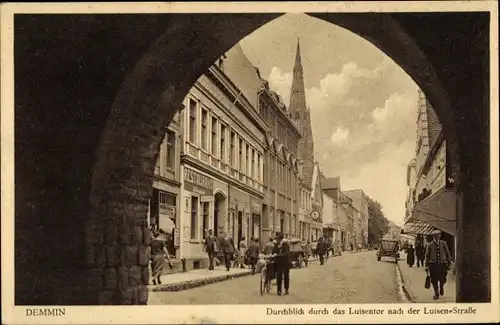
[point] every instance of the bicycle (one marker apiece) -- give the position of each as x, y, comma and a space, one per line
266, 275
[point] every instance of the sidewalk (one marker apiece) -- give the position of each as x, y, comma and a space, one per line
413, 282
197, 278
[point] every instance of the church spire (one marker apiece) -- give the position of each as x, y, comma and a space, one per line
300, 112
298, 60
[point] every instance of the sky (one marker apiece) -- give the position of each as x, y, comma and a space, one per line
363, 105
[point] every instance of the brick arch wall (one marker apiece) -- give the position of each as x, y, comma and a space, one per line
125, 141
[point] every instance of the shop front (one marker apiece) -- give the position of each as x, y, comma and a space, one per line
163, 214
256, 217
197, 216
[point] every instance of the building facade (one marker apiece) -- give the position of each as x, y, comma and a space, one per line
432, 203
222, 160
360, 202
164, 207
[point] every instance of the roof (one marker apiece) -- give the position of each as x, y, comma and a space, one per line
331, 183
243, 74
434, 126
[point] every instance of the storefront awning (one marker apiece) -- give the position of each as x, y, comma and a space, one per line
416, 227
438, 211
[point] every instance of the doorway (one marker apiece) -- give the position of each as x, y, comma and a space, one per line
240, 225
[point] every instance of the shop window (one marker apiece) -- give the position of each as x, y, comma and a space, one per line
206, 216
166, 212
194, 217
192, 121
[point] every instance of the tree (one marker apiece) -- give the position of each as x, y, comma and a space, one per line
378, 225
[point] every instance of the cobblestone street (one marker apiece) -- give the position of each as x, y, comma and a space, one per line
350, 278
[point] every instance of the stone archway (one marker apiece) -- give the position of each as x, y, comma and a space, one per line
146, 102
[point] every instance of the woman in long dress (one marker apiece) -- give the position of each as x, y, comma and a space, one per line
410, 255
159, 253
242, 251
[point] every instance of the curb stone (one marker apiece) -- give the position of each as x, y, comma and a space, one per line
197, 283
406, 290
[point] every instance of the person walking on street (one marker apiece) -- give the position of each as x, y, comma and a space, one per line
307, 252
242, 252
209, 244
437, 262
420, 254
158, 255
410, 256
254, 253
227, 250
283, 263
321, 249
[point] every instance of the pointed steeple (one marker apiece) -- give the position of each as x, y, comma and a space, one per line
298, 60
300, 112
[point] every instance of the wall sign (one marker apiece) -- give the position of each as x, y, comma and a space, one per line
255, 206
198, 183
177, 238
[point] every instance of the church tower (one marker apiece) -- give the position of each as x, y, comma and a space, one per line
301, 114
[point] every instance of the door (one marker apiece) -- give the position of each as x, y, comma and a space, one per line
216, 220
240, 227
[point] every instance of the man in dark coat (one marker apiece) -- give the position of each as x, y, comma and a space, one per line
253, 253
321, 249
420, 254
228, 250
210, 248
282, 262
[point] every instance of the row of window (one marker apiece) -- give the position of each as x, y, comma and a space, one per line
282, 177
305, 199
239, 154
278, 130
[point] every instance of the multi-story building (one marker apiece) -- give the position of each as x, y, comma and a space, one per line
432, 204
164, 211
360, 202
351, 221
310, 194
281, 173
222, 158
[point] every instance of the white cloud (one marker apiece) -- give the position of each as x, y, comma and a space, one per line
332, 88
281, 83
397, 108
384, 179
339, 136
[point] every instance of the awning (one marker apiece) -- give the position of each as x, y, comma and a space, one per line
416, 227
438, 211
